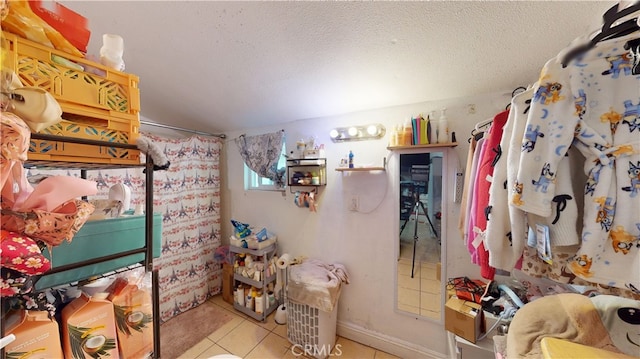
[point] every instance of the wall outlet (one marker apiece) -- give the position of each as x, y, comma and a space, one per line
353, 203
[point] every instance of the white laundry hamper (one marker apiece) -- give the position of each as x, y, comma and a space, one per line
311, 330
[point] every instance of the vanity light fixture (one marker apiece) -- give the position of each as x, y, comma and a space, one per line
357, 133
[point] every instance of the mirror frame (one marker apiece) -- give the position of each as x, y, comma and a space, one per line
394, 166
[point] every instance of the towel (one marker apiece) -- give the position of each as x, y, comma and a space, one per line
316, 283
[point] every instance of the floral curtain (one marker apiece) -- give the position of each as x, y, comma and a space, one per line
261, 154
187, 195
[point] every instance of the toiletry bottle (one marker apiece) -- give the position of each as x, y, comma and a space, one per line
393, 140
407, 133
443, 128
111, 51
259, 303
350, 159
424, 139
433, 128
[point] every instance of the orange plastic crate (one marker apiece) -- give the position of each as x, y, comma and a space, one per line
56, 151
95, 129
114, 95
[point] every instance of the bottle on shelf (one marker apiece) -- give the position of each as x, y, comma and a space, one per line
407, 133
443, 128
259, 303
393, 139
424, 124
397, 135
433, 128
350, 159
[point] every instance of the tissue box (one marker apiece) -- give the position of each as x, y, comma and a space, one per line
463, 318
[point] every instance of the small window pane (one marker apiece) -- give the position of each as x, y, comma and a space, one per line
255, 182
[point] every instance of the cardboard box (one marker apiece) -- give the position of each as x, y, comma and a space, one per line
134, 319
89, 328
227, 283
37, 336
463, 318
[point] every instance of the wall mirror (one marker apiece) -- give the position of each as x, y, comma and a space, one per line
419, 288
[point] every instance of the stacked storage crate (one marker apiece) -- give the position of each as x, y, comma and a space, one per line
98, 103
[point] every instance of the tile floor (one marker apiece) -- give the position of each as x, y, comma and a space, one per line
421, 294
248, 338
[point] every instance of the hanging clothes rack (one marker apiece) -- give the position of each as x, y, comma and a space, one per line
148, 123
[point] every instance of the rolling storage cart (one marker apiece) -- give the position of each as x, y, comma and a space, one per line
266, 254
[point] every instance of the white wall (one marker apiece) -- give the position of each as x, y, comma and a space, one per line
366, 243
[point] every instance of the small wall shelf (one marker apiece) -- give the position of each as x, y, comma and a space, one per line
435, 145
364, 169
300, 172
360, 169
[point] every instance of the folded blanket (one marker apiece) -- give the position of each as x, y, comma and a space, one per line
565, 316
316, 283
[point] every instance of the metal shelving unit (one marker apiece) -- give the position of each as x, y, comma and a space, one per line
147, 262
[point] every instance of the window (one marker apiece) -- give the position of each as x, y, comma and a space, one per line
253, 181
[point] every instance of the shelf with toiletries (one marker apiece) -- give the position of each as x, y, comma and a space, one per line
307, 172
254, 275
423, 132
434, 145
365, 168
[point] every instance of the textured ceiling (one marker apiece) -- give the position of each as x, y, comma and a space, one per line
222, 66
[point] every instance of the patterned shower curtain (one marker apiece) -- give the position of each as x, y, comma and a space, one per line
187, 195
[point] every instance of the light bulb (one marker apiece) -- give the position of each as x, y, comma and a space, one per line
334, 133
372, 130
353, 131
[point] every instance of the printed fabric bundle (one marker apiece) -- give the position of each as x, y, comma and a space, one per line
467, 289
50, 227
32, 217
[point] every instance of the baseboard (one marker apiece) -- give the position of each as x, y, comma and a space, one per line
391, 345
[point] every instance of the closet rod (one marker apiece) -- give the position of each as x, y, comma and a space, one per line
221, 135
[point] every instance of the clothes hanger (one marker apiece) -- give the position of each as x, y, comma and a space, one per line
609, 30
518, 90
634, 47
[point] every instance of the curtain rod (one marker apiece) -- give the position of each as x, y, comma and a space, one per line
221, 135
